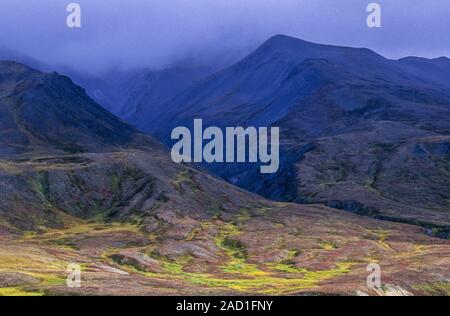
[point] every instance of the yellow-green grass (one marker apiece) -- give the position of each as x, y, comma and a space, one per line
327, 245
235, 273
436, 289
90, 229
17, 291
238, 275
252, 280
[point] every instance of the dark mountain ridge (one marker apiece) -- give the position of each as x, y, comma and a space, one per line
62, 154
355, 126
284, 72
47, 112
77, 185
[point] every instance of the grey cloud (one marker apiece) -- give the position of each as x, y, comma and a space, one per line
156, 33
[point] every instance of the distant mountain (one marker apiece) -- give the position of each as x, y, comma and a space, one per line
77, 185
62, 153
284, 74
137, 96
359, 131
147, 91
434, 71
47, 112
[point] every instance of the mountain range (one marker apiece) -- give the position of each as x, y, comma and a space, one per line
360, 133
353, 124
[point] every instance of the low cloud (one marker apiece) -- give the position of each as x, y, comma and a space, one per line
158, 33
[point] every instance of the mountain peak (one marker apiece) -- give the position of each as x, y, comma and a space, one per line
295, 50
285, 42
442, 59
281, 38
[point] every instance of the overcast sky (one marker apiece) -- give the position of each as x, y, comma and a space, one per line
156, 33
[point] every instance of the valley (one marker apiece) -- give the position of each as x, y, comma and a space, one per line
276, 250
363, 179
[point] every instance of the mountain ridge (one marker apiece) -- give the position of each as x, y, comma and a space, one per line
48, 110
139, 224
321, 96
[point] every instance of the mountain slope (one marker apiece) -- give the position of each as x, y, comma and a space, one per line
139, 224
46, 112
148, 90
352, 123
61, 153
286, 74
136, 96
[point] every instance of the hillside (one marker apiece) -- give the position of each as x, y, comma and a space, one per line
139, 224
47, 113
358, 131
